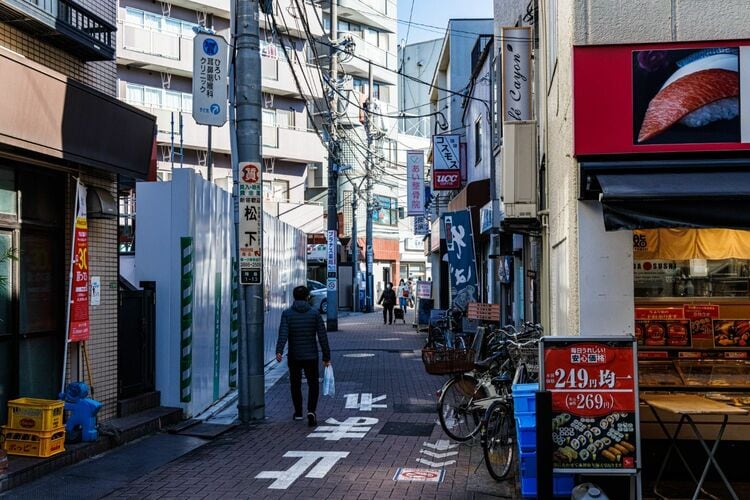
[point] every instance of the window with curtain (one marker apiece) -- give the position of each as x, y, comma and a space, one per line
269, 118
386, 212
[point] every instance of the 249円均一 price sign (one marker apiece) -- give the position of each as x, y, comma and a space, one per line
594, 402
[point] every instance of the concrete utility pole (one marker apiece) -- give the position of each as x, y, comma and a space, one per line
332, 316
355, 252
251, 384
368, 176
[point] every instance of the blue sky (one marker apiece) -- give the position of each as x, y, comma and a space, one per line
437, 13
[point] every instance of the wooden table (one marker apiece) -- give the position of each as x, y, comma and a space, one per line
687, 406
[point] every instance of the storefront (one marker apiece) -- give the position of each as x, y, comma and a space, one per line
670, 169
52, 131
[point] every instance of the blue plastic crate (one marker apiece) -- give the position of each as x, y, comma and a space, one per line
562, 485
524, 388
524, 403
526, 431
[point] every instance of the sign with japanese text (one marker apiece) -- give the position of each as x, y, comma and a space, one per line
462, 266
424, 289
516, 73
594, 386
484, 312
421, 226
78, 329
210, 79
415, 180
251, 214
331, 250
446, 166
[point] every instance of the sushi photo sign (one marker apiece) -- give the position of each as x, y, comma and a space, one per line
594, 386
662, 98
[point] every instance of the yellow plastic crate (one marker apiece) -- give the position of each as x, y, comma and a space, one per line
31, 414
34, 443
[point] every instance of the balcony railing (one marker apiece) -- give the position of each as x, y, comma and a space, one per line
152, 42
84, 34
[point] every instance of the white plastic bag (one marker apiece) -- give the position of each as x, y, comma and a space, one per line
329, 387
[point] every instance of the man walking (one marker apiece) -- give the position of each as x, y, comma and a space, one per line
304, 328
388, 299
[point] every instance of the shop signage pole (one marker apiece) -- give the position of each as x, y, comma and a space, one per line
249, 211
368, 176
332, 315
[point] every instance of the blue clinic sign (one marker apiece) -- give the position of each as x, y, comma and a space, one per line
210, 68
461, 262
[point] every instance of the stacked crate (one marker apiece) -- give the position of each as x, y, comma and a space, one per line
524, 409
35, 428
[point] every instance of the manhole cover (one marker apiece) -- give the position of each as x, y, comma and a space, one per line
359, 355
407, 429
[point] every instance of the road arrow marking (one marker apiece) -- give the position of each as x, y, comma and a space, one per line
435, 464
438, 455
440, 445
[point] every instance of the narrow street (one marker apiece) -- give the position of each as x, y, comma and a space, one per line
386, 403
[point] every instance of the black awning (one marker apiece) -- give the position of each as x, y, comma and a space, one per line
641, 200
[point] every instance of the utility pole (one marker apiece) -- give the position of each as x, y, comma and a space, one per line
368, 176
355, 252
332, 315
251, 384
494, 295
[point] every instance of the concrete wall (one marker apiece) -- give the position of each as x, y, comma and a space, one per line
476, 110
588, 277
417, 60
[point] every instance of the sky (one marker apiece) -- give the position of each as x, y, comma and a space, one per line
436, 13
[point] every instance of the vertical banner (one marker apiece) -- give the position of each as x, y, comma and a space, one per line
78, 329
594, 386
331, 249
415, 189
446, 162
234, 326
210, 70
217, 334
462, 264
421, 226
516, 73
186, 319
250, 187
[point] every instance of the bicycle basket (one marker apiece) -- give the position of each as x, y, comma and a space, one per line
447, 361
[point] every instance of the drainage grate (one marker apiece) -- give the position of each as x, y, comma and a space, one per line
414, 408
407, 429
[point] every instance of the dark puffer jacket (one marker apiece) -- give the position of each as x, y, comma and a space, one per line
300, 324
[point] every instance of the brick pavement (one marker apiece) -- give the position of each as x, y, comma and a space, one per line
368, 357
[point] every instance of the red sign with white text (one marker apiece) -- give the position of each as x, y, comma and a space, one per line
661, 98
594, 402
79, 291
443, 180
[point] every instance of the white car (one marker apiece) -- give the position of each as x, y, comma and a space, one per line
318, 296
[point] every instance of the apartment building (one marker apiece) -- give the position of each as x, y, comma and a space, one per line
154, 69
60, 122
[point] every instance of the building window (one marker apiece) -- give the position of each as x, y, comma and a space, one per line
361, 86
153, 97
478, 140
157, 22
385, 211
276, 190
269, 117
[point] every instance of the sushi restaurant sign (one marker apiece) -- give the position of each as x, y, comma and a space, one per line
594, 386
662, 98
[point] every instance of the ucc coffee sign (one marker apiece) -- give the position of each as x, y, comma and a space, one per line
446, 168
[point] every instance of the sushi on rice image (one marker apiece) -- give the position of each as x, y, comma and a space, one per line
686, 96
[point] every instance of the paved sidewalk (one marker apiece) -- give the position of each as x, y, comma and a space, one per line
280, 458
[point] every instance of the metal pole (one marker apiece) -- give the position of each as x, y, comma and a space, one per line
182, 152
332, 315
251, 383
368, 176
493, 296
355, 253
209, 156
171, 138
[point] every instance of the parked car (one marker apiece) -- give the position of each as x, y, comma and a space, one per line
318, 296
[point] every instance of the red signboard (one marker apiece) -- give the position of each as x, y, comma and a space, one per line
594, 388
658, 313
79, 291
657, 98
443, 180
697, 311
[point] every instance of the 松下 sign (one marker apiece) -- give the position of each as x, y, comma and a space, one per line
210, 79
251, 213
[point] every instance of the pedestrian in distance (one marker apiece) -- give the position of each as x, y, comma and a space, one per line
388, 300
403, 295
304, 328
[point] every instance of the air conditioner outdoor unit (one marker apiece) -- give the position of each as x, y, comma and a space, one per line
519, 189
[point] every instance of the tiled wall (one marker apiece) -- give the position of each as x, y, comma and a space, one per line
103, 259
101, 75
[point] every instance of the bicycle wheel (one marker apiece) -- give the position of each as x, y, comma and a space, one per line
498, 440
458, 420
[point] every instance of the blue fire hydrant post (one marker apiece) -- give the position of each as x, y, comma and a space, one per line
82, 410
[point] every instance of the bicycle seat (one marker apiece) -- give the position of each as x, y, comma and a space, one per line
484, 364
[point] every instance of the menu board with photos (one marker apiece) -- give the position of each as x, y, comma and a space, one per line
594, 386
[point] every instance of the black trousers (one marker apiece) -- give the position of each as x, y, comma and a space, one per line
310, 367
388, 310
